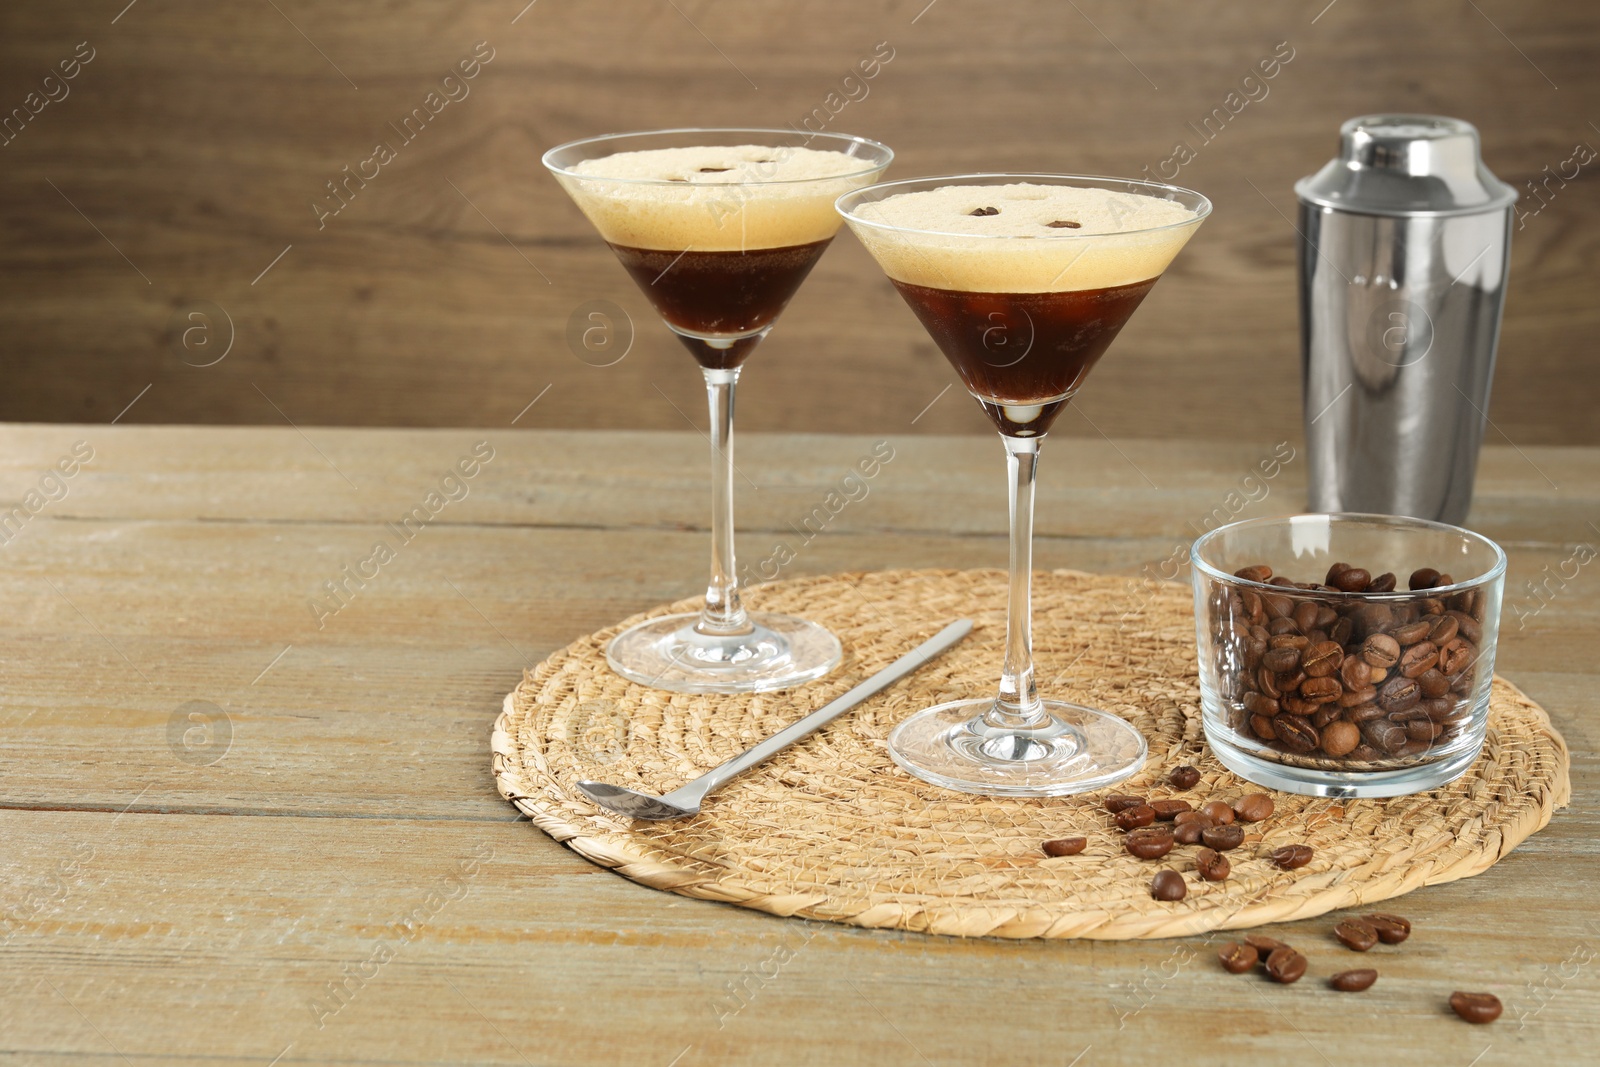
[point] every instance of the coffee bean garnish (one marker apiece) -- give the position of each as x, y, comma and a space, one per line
1167, 810
1065, 846
1117, 801
1218, 811
1223, 838
1135, 817
1354, 981
1212, 865
1286, 965
1253, 807
1185, 777
983, 212
1149, 843
1168, 885
1237, 957
1291, 857
1063, 224
1476, 1007
1355, 935
1391, 929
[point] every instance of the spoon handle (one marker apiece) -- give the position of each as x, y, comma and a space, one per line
693, 792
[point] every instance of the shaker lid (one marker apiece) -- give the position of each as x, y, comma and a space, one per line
1406, 165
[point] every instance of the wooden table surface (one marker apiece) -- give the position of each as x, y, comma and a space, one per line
237, 829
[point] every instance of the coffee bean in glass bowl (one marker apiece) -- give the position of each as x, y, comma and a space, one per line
1322, 674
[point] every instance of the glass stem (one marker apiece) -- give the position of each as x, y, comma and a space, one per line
1018, 705
723, 613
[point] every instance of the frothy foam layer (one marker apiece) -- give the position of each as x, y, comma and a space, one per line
715, 197
1023, 238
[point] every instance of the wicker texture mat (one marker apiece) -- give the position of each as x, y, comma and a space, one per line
832, 829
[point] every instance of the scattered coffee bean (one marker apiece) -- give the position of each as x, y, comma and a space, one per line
1223, 838
1168, 885
1188, 833
1354, 981
1065, 846
1391, 929
1218, 811
1185, 777
1476, 1007
1063, 224
1149, 843
1291, 857
1133, 818
1356, 935
1211, 865
1286, 965
1383, 583
1168, 810
1237, 957
1253, 807
1117, 801
984, 211
1263, 944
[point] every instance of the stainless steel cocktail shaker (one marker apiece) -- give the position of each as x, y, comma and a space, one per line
1405, 242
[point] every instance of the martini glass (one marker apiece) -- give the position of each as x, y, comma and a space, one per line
719, 228
1023, 280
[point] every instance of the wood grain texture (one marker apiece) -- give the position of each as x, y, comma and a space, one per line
198, 138
156, 911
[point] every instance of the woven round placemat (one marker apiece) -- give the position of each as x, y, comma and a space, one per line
832, 829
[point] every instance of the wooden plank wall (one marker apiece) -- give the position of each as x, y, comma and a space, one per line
184, 158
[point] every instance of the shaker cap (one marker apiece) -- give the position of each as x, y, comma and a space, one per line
1406, 165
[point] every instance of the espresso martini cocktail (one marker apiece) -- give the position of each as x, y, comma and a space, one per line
1023, 281
719, 228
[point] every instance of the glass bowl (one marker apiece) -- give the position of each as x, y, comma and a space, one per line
1366, 682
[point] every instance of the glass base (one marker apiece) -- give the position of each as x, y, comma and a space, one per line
1081, 750
668, 653
1310, 782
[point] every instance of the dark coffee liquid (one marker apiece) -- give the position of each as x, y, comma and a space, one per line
1024, 349
732, 294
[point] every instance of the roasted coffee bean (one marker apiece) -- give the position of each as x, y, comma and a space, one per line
1296, 733
1339, 738
1223, 838
1456, 657
1259, 573
1423, 730
1168, 885
1383, 583
1476, 1007
1381, 651
1277, 606
1431, 605
1365, 753
1321, 690
1292, 857
1433, 684
1356, 935
1188, 833
1364, 712
1305, 616
1266, 946
1253, 807
1442, 629
1065, 846
1281, 660
984, 211
1170, 809
1185, 777
1238, 957
1414, 748
1286, 965
1354, 698
1219, 812
1261, 704
1384, 735
1341, 630
1279, 581
1267, 682
1334, 570
1211, 865
1326, 617
1443, 580
1064, 224
1399, 693
1149, 843
1183, 818
1392, 929
1351, 580
1444, 710
1261, 726
1354, 672
1326, 714
1354, 981
1423, 578
1410, 633
1297, 705
1117, 801
1280, 627
1322, 659
1135, 817
1419, 659
1410, 714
